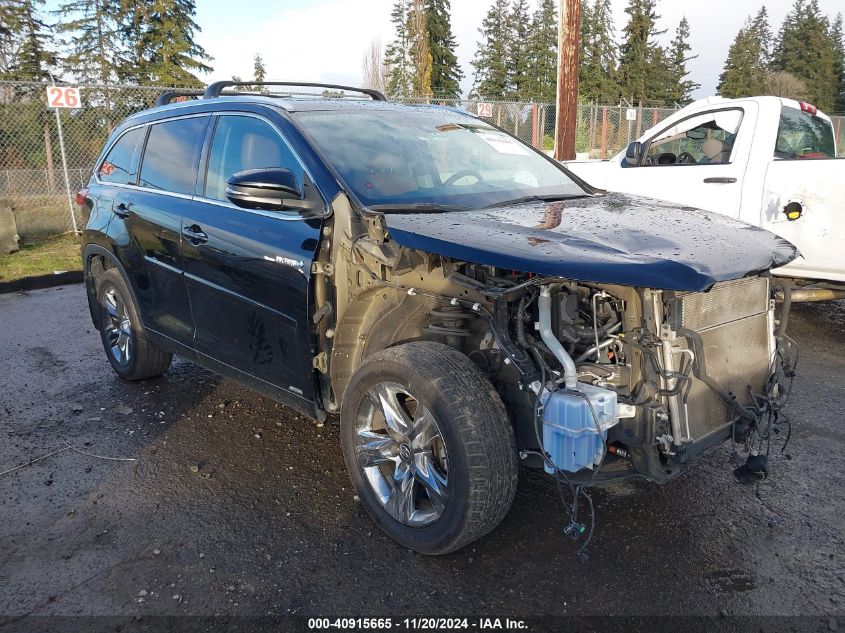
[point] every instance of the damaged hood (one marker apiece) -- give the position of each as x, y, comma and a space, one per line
615, 239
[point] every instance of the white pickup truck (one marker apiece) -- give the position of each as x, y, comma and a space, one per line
766, 161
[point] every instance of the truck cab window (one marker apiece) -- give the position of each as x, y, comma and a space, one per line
706, 139
803, 135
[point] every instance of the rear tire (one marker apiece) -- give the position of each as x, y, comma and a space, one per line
132, 355
439, 469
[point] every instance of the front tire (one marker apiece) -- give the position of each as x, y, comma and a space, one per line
429, 447
132, 355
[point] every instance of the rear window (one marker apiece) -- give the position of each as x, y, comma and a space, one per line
121, 164
171, 155
803, 135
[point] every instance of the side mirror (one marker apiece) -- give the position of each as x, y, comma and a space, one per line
633, 153
272, 188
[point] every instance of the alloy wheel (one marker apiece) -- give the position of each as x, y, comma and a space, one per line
402, 454
117, 327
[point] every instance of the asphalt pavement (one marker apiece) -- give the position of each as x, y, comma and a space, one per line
236, 506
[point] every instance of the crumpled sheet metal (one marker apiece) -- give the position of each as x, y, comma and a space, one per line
614, 238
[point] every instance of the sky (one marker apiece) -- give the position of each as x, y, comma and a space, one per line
325, 40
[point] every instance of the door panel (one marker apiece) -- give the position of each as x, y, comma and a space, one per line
249, 272
153, 224
152, 215
710, 175
249, 289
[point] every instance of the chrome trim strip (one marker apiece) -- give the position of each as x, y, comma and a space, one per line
172, 269
200, 198
279, 215
161, 192
111, 145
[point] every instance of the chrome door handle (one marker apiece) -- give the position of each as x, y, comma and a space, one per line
195, 234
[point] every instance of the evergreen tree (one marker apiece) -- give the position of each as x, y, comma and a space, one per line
10, 31
397, 58
542, 53
760, 23
173, 53
643, 67
747, 65
446, 73
94, 53
680, 89
491, 57
836, 34
519, 62
34, 57
259, 72
806, 49
133, 17
597, 73
159, 42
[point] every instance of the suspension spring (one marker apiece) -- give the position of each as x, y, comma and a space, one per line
450, 321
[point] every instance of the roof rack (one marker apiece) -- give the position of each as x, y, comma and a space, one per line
170, 95
217, 87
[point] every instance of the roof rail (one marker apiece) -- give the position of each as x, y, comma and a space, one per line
217, 87
168, 97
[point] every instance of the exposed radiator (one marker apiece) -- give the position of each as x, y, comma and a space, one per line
733, 322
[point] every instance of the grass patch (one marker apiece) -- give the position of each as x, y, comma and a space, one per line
42, 258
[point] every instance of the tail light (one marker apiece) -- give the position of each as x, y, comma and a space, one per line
808, 108
81, 196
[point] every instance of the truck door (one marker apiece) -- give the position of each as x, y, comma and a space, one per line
698, 161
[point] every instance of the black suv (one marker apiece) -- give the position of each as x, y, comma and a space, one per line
462, 300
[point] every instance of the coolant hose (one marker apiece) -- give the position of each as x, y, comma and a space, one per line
544, 303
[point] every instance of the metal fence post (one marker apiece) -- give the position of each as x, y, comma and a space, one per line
64, 168
603, 132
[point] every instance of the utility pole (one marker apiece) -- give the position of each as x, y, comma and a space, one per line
567, 78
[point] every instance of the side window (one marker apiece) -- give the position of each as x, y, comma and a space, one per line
804, 135
705, 139
120, 166
241, 143
172, 154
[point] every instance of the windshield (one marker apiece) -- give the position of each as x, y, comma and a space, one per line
431, 159
803, 135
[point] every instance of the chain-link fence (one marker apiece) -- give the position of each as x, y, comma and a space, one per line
601, 131
32, 171
36, 180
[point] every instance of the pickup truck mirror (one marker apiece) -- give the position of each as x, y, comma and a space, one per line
634, 153
272, 188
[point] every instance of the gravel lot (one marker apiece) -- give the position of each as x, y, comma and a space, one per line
236, 506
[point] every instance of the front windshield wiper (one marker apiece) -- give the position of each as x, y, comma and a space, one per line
417, 207
537, 198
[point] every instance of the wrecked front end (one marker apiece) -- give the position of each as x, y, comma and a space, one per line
659, 376
602, 379
669, 349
